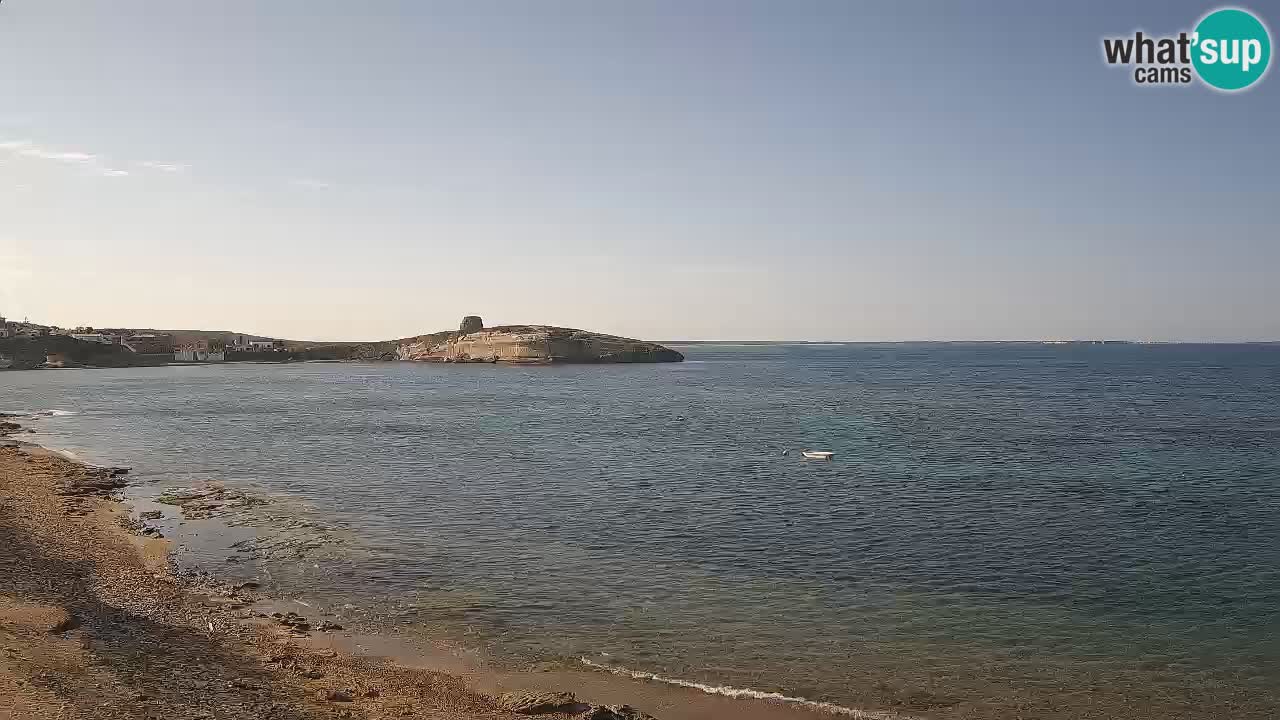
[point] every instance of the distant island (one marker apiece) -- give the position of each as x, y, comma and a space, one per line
472, 342
534, 344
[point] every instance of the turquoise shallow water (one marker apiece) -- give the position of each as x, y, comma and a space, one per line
1007, 530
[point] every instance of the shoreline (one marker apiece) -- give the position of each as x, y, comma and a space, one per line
115, 584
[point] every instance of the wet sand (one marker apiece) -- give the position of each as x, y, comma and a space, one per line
95, 623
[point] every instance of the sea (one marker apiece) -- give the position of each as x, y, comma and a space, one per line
1007, 530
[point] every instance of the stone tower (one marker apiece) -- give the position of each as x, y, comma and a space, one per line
470, 324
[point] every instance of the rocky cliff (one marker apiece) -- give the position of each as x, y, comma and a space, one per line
535, 344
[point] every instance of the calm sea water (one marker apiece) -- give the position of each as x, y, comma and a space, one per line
1007, 531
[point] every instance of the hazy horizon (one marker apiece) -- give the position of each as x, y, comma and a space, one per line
732, 171
688, 340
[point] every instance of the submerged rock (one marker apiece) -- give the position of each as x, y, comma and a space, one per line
93, 481
532, 702
615, 712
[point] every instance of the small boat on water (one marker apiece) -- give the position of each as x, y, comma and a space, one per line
817, 454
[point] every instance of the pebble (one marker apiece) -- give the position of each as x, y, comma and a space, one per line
336, 695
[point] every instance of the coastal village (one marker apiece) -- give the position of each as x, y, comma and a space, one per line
61, 346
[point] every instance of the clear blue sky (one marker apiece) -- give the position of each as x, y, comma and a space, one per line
683, 169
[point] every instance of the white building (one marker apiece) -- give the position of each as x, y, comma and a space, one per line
92, 337
243, 343
190, 354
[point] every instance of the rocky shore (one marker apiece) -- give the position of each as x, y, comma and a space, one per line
95, 623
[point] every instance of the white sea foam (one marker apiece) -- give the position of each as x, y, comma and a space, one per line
734, 692
38, 413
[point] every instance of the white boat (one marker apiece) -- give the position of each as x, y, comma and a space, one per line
817, 454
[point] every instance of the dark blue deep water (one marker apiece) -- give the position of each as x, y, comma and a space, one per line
1007, 530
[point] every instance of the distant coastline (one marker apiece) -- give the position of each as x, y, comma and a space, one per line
27, 346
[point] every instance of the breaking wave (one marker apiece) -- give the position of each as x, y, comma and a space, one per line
734, 692
38, 413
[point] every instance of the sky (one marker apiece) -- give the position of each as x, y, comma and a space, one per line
664, 169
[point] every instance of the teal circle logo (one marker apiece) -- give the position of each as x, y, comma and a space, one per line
1231, 49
